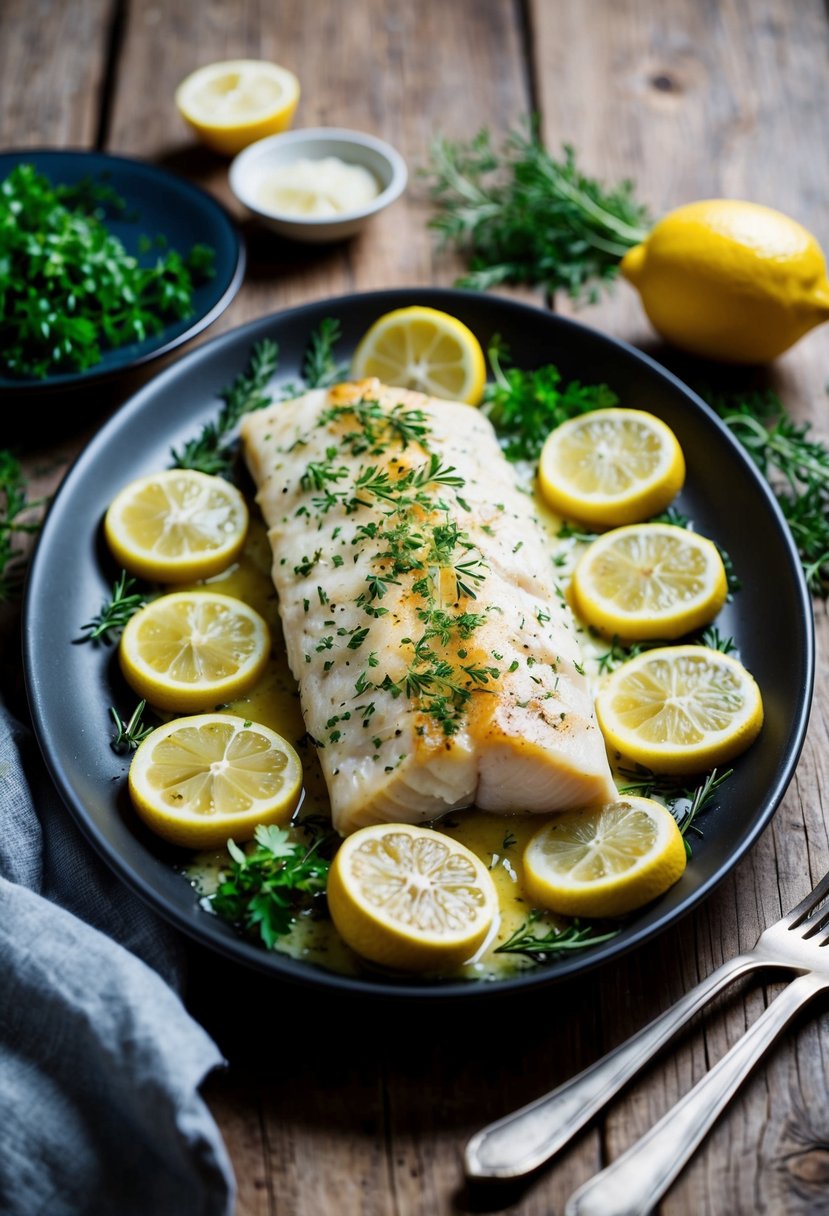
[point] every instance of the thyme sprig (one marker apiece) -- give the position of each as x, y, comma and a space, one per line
266, 889
114, 613
212, 451
540, 947
522, 215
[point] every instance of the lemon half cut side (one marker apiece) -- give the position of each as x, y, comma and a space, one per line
680, 709
198, 780
410, 898
424, 349
232, 103
194, 650
606, 860
176, 525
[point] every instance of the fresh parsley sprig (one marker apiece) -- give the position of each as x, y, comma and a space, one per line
524, 406
266, 889
212, 451
521, 215
539, 948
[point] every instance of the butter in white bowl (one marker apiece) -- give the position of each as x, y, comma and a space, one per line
320, 184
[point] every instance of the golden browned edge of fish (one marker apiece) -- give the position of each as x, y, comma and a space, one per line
437, 662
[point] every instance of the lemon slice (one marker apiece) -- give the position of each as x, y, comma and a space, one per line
423, 349
605, 860
193, 650
233, 103
611, 467
649, 581
680, 709
177, 525
198, 780
410, 898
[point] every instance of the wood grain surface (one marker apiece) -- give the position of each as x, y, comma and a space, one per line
332, 1107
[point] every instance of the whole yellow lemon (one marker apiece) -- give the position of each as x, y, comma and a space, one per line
730, 280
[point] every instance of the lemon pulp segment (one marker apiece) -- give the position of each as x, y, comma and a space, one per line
680, 709
193, 650
649, 581
424, 349
410, 898
611, 467
196, 781
606, 860
176, 525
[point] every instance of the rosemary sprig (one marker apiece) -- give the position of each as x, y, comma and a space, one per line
538, 948
17, 518
129, 733
521, 215
213, 450
684, 802
114, 612
320, 368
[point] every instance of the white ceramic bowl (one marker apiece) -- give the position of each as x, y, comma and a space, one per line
250, 169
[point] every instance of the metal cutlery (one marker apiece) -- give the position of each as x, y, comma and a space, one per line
523, 1140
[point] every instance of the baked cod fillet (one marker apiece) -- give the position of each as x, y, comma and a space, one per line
437, 665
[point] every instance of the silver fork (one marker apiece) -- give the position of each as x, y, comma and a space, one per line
523, 1140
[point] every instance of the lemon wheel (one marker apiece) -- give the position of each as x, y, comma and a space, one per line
410, 898
237, 101
611, 467
649, 581
194, 650
198, 781
606, 860
680, 709
424, 349
176, 526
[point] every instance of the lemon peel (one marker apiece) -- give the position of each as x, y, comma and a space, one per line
611, 467
730, 280
424, 349
680, 709
410, 898
645, 581
604, 861
176, 526
198, 780
194, 650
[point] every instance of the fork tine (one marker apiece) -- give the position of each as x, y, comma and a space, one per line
806, 906
814, 923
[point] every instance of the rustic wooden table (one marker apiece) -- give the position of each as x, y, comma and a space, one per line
334, 1107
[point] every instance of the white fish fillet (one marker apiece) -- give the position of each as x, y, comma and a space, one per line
513, 730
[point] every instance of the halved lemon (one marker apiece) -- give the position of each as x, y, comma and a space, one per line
194, 650
410, 898
176, 526
424, 349
611, 467
604, 860
198, 780
680, 709
237, 101
649, 581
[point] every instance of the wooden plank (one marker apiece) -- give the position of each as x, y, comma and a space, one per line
693, 101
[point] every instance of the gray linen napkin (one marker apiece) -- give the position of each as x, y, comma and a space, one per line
100, 1063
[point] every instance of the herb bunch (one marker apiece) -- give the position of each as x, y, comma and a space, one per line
522, 215
68, 287
266, 889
